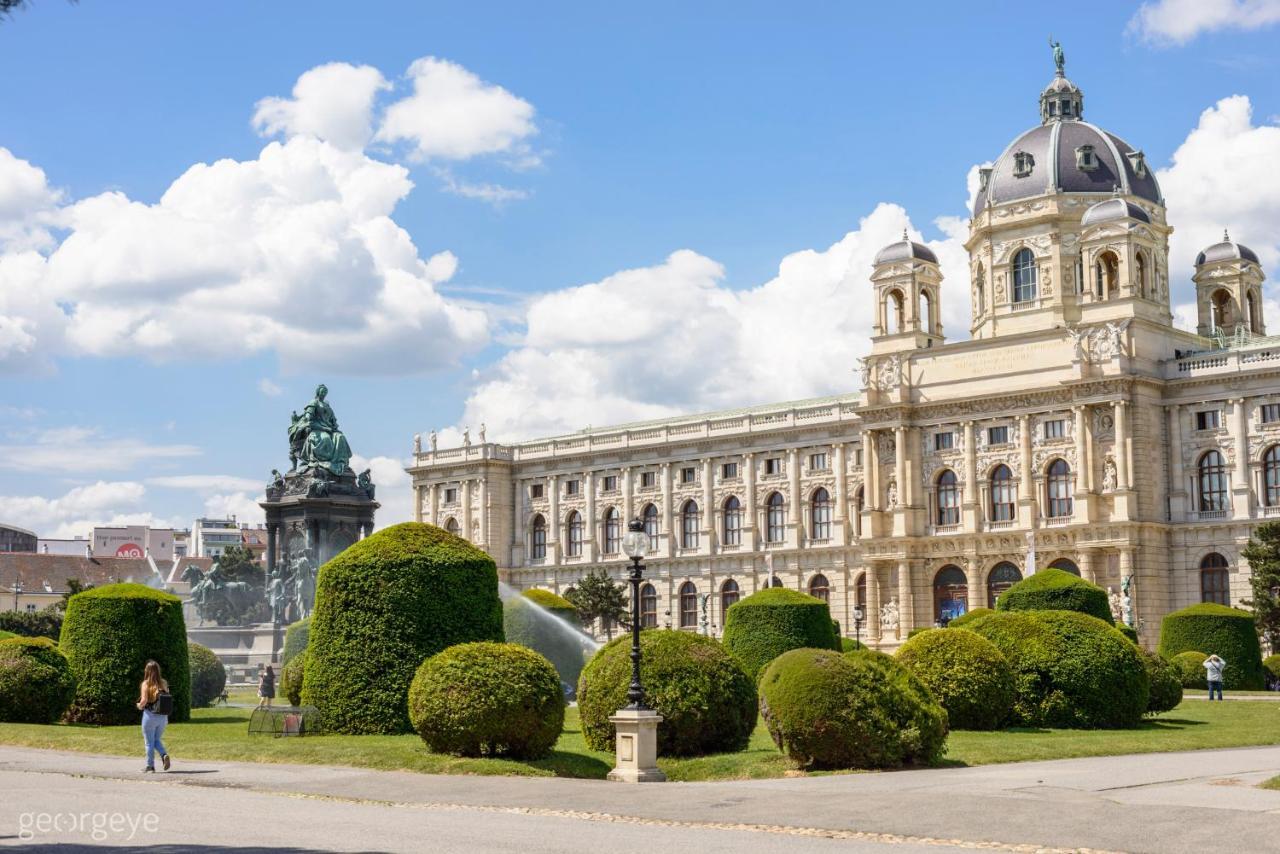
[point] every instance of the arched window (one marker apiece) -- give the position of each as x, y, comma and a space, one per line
689, 525
650, 516
1004, 495
894, 322
924, 307
648, 607
732, 521
1108, 271
452, 526
1211, 474
729, 595
776, 529
612, 531
1271, 476
980, 289
688, 606
859, 504
860, 596
1066, 565
948, 511
1002, 577
950, 594
1140, 271
538, 538
820, 588
1215, 579
775, 581
573, 547
1059, 488
1024, 276
1255, 316
820, 515
1221, 309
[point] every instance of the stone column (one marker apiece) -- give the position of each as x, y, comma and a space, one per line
1027, 502
668, 512
628, 496
272, 534
589, 529
1241, 494
1177, 478
900, 464
1089, 566
749, 525
1122, 446
871, 474
1081, 497
519, 552
873, 602
841, 496
973, 579
708, 537
417, 504
972, 489
906, 600
482, 488
553, 523
1126, 571
466, 510
795, 519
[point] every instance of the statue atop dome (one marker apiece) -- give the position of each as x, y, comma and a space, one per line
1059, 58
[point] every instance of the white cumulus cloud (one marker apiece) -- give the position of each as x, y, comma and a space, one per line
393, 488
332, 102
1176, 22
80, 509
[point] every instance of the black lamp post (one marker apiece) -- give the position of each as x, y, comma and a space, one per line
634, 544
857, 624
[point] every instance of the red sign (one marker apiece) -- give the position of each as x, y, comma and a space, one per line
130, 550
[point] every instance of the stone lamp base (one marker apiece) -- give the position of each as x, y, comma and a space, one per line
637, 746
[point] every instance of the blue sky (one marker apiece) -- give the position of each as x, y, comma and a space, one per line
735, 135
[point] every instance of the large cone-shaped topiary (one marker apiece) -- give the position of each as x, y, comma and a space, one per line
547, 624
36, 685
1056, 590
383, 606
108, 635
768, 623
1213, 629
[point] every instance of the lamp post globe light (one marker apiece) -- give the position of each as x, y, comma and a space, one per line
858, 615
636, 725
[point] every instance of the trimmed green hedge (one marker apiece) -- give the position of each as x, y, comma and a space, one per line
295, 640
859, 709
1128, 631
968, 617
1191, 672
488, 699
36, 683
208, 676
1056, 590
382, 606
547, 624
1271, 664
291, 679
108, 635
965, 673
849, 645
768, 623
1165, 680
707, 700
1070, 669
1219, 630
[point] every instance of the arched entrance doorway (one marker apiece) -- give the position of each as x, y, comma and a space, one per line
950, 594
1003, 576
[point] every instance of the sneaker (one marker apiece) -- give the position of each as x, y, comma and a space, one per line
148, 770
165, 761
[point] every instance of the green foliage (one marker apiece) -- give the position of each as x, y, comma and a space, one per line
1128, 631
707, 701
74, 586
968, 617
1165, 680
382, 606
295, 640
36, 683
597, 598
547, 624
1215, 629
1271, 664
40, 624
857, 710
108, 635
1263, 555
849, 645
487, 699
1070, 669
7, 635
208, 676
1190, 666
965, 673
291, 676
1056, 590
768, 623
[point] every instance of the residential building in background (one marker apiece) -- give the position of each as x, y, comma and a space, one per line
134, 541
15, 539
210, 537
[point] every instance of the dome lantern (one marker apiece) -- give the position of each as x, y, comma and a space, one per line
1061, 99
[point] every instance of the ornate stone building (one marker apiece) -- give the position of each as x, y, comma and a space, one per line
1076, 428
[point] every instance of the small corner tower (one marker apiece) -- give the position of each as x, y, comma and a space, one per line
907, 281
1228, 281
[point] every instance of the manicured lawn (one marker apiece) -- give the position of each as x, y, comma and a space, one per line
220, 733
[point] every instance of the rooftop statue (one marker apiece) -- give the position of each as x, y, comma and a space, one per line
315, 442
1059, 58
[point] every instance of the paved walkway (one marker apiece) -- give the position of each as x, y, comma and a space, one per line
1195, 802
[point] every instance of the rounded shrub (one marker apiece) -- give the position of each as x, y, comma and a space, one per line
382, 606
706, 699
857, 710
1056, 590
1128, 631
1191, 672
487, 699
295, 640
849, 645
291, 679
766, 624
108, 634
968, 617
1165, 681
36, 683
208, 676
1214, 629
1069, 669
547, 624
965, 673
1271, 664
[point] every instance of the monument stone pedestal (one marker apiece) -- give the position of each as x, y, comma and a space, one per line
637, 746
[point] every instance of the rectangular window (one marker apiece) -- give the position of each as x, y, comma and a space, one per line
535, 491
687, 475
857, 457
729, 470
1055, 429
817, 462
944, 441
610, 482
1270, 413
648, 478
450, 495
571, 487
1209, 419
998, 435
773, 465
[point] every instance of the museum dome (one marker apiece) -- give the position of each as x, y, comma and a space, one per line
904, 249
1112, 209
1226, 250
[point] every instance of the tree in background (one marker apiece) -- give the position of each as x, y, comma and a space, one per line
46, 623
74, 585
1263, 554
597, 598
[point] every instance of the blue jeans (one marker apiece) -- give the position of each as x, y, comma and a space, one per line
152, 728
1215, 686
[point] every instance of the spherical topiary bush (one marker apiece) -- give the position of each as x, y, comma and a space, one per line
965, 673
1056, 590
706, 699
36, 683
857, 710
291, 679
295, 640
547, 624
968, 617
108, 635
766, 624
1069, 669
1165, 680
382, 606
208, 676
487, 699
1214, 629
1191, 672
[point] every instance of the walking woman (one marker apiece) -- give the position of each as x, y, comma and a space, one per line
266, 688
156, 704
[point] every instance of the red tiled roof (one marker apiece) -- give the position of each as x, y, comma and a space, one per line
37, 570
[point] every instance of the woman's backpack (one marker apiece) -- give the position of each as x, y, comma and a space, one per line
163, 704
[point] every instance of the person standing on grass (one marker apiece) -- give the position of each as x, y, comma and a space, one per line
1213, 674
266, 688
156, 704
